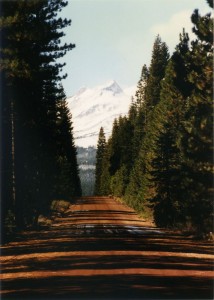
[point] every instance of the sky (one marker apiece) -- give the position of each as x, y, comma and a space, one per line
114, 38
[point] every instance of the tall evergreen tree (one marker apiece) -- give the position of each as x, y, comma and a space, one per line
115, 149
101, 145
67, 181
160, 56
184, 154
139, 188
142, 83
122, 162
31, 33
139, 121
167, 174
105, 179
197, 139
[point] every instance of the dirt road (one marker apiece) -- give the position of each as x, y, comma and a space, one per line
101, 249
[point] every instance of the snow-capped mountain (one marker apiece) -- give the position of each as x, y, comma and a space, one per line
92, 108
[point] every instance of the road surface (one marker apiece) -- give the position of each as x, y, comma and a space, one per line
101, 249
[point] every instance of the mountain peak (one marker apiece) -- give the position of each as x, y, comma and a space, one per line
98, 106
113, 87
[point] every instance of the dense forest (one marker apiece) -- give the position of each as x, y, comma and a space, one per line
159, 157
38, 154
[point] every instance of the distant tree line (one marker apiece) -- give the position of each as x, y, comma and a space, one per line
38, 155
161, 154
86, 158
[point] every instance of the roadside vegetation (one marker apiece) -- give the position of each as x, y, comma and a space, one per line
160, 156
38, 154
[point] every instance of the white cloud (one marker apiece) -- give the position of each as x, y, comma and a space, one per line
170, 30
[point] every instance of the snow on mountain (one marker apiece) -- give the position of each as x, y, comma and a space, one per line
92, 108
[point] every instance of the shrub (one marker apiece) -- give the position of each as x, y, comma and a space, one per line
59, 206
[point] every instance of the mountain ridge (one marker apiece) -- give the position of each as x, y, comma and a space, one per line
92, 108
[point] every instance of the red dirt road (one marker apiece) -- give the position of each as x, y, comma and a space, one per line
101, 249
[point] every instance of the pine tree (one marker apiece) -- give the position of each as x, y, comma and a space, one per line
115, 149
140, 189
169, 209
142, 83
160, 56
184, 153
139, 121
105, 179
7, 200
133, 111
167, 173
31, 35
119, 181
101, 145
67, 182
121, 155
197, 141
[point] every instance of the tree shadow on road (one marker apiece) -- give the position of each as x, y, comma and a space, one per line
105, 261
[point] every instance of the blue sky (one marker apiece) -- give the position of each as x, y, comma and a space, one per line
114, 38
